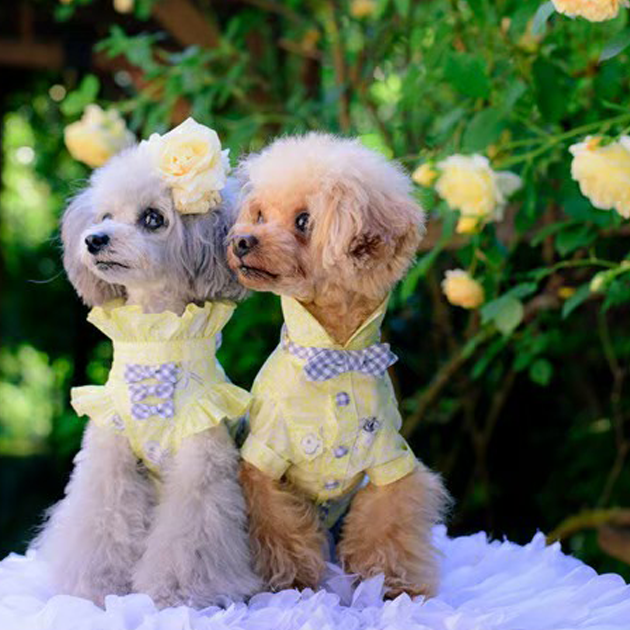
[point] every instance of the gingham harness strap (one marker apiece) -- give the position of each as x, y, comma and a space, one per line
323, 364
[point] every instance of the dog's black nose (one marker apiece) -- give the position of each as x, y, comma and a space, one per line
96, 242
243, 244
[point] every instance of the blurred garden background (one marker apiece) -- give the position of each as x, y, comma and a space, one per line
520, 397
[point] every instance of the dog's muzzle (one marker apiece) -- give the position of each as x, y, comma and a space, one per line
96, 242
243, 244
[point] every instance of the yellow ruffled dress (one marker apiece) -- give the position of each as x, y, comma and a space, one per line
165, 383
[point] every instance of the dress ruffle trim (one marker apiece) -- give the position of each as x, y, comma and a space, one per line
130, 324
215, 403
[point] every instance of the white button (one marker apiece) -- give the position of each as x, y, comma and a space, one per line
310, 443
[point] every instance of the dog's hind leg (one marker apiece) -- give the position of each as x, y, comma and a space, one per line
198, 549
94, 535
388, 530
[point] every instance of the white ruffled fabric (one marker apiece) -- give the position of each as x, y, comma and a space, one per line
486, 586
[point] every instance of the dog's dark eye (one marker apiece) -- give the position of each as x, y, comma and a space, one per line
106, 216
301, 222
152, 219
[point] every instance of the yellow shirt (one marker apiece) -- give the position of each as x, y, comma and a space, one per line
325, 435
165, 383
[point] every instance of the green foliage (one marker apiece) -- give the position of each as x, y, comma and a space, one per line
521, 404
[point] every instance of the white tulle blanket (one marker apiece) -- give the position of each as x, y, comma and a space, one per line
486, 586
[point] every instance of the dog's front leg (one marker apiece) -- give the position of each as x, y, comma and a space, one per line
198, 550
286, 538
389, 530
93, 536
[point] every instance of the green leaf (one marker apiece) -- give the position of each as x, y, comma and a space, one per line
467, 74
539, 23
541, 372
573, 238
84, 95
616, 45
484, 129
553, 89
522, 290
402, 7
509, 316
488, 356
549, 230
420, 269
375, 141
576, 299
505, 312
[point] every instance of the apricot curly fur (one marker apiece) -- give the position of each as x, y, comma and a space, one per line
286, 539
388, 530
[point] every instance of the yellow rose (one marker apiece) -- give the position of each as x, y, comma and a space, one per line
97, 136
190, 160
124, 6
603, 173
462, 290
362, 8
468, 184
592, 10
425, 175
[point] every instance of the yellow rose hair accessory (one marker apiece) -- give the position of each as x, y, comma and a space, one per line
190, 161
603, 173
97, 136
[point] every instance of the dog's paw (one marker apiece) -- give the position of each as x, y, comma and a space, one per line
288, 562
96, 585
190, 583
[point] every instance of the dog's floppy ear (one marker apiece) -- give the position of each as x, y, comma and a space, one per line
361, 219
76, 219
198, 249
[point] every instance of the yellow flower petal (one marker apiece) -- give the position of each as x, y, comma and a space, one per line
425, 175
362, 8
592, 10
603, 173
468, 184
462, 290
97, 136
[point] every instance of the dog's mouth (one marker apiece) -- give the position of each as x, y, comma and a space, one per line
105, 265
257, 273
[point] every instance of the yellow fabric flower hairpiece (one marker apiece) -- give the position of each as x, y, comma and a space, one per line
189, 159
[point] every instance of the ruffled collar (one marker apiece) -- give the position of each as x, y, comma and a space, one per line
130, 324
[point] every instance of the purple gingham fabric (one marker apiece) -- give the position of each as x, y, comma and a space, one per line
141, 411
164, 372
139, 392
323, 364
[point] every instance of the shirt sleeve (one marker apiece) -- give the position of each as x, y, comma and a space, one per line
393, 460
267, 445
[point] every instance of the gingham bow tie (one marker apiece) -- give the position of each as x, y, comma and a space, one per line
141, 411
165, 372
162, 390
323, 364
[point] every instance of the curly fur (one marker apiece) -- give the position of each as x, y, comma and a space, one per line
290, 555
364, 228
115, 532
